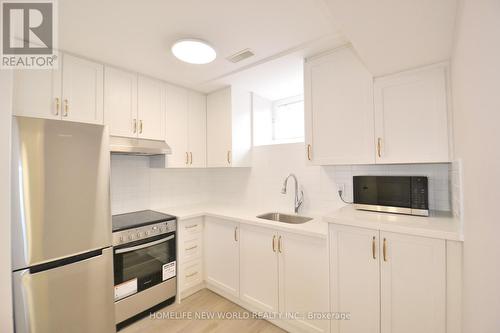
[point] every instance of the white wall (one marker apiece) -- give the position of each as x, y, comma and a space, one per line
476, 91
5, 261
134, 186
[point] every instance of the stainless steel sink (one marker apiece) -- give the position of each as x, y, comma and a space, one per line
285, 218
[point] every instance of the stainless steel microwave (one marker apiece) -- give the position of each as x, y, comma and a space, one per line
392, 194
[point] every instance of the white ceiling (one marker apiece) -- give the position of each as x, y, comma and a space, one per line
393, 35
137, 35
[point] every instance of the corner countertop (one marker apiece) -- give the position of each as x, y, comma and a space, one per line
440, 225
316, 227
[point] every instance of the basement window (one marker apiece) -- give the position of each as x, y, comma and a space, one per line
278, 122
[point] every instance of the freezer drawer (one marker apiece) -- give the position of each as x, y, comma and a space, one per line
74, 298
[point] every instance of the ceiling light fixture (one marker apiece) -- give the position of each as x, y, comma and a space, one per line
194, 51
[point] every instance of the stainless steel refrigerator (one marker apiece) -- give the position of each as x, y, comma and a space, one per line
61, 227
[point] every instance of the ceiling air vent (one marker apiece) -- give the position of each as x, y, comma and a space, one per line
242, 55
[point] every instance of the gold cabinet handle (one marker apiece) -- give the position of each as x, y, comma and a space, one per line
373, 248
191, 248
309, 152
191, 275
191, 158
229, 156
274, 243
58, 105
279, 244
190, 226
235, 234
140, 126
66, 108
385, 249
134, 125
187, 158
379, 147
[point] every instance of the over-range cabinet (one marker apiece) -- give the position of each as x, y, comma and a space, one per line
61, 227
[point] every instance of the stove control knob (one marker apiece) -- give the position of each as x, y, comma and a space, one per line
138, 235
130, 237
121, 239
161, 229
146, 233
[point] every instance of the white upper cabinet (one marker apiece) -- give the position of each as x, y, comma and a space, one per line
411, 116
229, 128
120, 102
186, 130
197, 129
177, 127
222, 257
259, 267
73, 93
151, 109
82, 90
413, 284
338, 109
37, 93
355, 278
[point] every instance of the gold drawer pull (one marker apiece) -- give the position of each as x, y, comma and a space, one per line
135, 125
379, 147
309, 152
274, 243
140, 126
66, 108
191, 158
191, 248
190, 226
235, 234
385, 250
279, 244
187, 158
191, 275
58, 105
373, 248
229, 157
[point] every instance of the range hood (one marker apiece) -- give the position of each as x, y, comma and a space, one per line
143, 147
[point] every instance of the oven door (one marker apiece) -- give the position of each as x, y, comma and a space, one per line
143, 264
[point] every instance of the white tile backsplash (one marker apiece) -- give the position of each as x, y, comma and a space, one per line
135, 186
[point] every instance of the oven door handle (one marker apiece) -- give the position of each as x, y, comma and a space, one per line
142, 246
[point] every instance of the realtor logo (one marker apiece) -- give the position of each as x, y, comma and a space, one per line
28, 34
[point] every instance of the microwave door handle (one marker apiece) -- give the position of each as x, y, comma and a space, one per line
142, 246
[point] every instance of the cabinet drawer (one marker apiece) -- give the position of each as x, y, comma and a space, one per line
191, 229
191, 249
192, 274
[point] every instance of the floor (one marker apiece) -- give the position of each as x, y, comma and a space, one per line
211, 307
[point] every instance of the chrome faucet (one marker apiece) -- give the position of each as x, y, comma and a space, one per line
298, 201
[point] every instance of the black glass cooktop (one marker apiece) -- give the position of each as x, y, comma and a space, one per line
138, 219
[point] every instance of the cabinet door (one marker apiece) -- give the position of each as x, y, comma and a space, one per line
120, 102
355, 278
222, 256
303, 274
177, 126
339, 110
219, 137
259, 268
413, 284
411, 117
37, 93
151, 109
197, 130
82, 90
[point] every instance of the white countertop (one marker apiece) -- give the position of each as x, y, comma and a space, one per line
440, 225
316, 227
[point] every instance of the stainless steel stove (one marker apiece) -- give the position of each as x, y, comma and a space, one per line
145, 263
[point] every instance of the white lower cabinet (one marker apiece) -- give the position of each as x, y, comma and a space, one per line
222, 257
355, 279
259, 268
303, 286
413, 284
388, 282
190, 262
